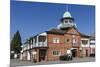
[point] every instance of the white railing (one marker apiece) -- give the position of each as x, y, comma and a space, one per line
40, 44
92, 41
34, 45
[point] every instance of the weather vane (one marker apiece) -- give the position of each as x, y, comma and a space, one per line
67, 7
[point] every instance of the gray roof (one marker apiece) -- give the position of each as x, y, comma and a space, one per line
92, 36
60, 31
56, 31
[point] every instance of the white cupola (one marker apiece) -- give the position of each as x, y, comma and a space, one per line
66, 21
67, 14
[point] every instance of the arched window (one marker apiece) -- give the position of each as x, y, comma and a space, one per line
70, 21
66, 21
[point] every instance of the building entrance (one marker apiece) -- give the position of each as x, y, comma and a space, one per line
42, 54
74, 52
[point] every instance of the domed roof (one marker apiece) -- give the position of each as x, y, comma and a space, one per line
67, 14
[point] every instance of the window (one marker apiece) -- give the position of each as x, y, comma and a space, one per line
84, 42
74, 40
56, 53
73, 36
70, 21
92, 43
56, 40
68, 40
66, 21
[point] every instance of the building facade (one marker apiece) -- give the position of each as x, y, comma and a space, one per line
51, 44
85, 46
92, 44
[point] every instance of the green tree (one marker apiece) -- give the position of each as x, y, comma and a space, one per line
16, 43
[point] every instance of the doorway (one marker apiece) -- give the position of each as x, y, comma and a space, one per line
42, 54
74, 52
86, 53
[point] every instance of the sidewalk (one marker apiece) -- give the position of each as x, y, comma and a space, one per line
16, 62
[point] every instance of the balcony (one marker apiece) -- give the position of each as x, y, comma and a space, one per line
40, 41
40, 44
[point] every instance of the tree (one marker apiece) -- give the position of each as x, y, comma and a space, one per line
16, 43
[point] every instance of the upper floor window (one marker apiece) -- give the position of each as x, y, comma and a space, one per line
68, 40
74, 41
56, 40
84, 42
73, 36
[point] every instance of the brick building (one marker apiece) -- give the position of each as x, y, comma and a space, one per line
92, 44
49, 45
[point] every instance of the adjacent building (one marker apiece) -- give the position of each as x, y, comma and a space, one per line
92, 44
85, 46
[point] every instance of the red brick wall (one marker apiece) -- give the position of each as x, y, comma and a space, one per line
62, 46
50, 55
55, 46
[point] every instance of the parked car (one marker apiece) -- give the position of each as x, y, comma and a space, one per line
92, 55
66, 57
70, 56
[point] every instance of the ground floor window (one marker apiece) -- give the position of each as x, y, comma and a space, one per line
92, 51
56, 53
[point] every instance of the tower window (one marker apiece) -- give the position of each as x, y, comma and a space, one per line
70, 21
66, 21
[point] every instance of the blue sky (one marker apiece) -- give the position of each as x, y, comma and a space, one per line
31, 18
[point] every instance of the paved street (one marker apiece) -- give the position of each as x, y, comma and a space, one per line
16, 62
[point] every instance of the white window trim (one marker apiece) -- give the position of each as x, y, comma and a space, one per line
56, 40
86, 43
56, 55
